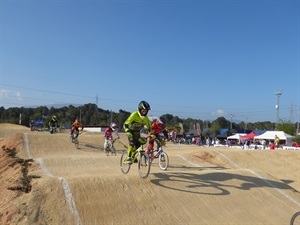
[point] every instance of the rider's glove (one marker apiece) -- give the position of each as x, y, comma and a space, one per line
129, 135
152, 136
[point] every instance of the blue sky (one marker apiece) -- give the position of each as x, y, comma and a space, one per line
200, 59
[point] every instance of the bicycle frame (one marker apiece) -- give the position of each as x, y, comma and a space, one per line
137, 153
110, 148
53, 129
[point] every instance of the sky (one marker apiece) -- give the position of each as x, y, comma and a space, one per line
199, 59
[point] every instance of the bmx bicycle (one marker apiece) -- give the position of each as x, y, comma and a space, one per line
139, 155
142, 159
160, 154
74, 138
53, 129
295, 219
110, 148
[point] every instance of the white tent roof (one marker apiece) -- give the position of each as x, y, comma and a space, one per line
270, 135
236, 136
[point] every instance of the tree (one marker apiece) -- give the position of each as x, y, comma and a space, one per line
287, 127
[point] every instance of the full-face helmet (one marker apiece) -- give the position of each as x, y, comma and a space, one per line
54, 118
143, 108
161, 122
113, 126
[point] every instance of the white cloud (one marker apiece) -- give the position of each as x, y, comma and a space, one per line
4, 93
218, 113
18, 95
9, 97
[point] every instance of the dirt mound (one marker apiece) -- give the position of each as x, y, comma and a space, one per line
9, 176
211, 158
14, 176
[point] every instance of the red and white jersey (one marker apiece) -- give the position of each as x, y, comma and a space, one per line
108, 133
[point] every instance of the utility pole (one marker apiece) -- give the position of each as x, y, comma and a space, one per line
245, 128
231, 115
80, 115
110, 116
291, 117
97, 111
278, 93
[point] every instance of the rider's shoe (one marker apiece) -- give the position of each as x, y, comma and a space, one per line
128, 160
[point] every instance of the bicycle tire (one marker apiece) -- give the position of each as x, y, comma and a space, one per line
107, 150
76, 142
113, 151
295, 218
125, 167
163, 161
144, 164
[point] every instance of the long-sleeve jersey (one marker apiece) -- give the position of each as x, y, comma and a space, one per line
53, 123
108, 133
158, 130
135, 122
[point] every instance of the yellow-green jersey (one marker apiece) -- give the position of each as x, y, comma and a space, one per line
135, 122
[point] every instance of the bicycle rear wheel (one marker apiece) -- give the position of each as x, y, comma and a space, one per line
125, 167
295, 219
163, 160
144, 165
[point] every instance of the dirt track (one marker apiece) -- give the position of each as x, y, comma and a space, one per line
202, 185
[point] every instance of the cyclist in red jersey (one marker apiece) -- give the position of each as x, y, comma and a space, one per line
113, 127
160, 132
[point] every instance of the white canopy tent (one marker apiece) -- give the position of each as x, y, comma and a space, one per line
236, 136
270, 135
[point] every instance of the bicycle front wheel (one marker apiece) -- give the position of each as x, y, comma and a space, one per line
163, 160
107, 150
76, 141
125, 167
144, 165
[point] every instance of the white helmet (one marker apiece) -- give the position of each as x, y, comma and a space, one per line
113, 126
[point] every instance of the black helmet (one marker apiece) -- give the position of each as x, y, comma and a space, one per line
161, 122
144, 105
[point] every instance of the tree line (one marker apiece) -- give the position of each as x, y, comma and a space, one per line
91, 115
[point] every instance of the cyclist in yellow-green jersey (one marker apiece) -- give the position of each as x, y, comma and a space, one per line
132, 126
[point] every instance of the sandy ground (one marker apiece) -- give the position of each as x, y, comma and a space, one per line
85, 187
